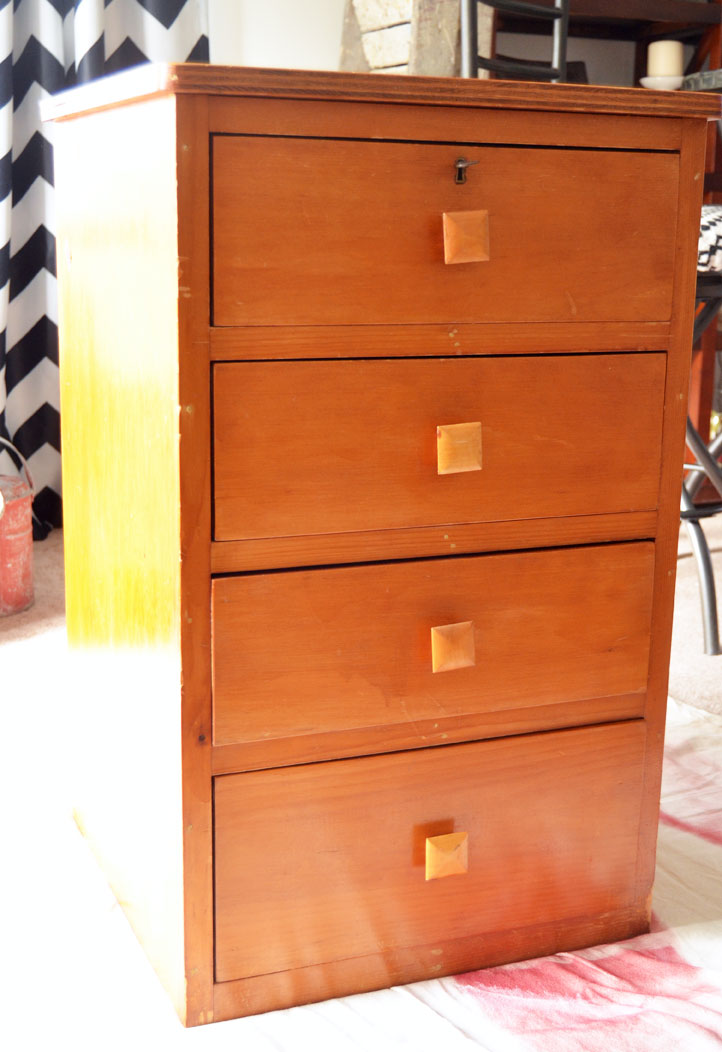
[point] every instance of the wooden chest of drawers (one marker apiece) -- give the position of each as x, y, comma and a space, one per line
371, 470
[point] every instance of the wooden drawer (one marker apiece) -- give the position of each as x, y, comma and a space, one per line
306, 652
323, 447
328, 861
314, 231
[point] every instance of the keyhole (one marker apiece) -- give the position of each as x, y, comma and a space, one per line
461, 165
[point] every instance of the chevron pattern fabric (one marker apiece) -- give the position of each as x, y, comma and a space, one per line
45, 46
709, 250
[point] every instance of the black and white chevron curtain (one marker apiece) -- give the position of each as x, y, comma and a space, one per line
45, 46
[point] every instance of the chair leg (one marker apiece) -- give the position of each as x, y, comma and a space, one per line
708, 594
469, 38
708, 467
706, 456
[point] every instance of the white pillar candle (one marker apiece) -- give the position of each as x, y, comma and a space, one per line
665, 59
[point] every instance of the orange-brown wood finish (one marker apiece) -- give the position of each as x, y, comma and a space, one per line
370, 557
453, 646
263, 342
195, 534
321, 650
288, 437
364, 741
447, 855
448, 123
409, 964
331, 261
449, 539
354, 834
458, 448
466, 237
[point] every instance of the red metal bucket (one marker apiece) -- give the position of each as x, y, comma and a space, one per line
16, 542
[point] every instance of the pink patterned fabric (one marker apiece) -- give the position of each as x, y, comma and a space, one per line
692, 785
639, 996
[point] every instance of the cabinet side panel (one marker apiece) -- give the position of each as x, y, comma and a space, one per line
678, 365
118, 314
195, 490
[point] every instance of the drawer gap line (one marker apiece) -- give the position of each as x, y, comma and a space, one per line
481, 144
434, 357
425, 558
441, 745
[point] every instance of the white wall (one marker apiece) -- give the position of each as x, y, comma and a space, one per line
306, 34
288, 34
607, 62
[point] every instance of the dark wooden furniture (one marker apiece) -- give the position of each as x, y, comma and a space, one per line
638, 20
370, 653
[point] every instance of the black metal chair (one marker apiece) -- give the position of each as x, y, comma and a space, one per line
510, 68
706, 466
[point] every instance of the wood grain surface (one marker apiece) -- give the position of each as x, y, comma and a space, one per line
193, 413
291, 246
428, 541
264, 342
321, 448
449, 123
445, 730
397, 965
331, 650
326, 861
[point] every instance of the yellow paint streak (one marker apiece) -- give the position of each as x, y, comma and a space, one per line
119, 377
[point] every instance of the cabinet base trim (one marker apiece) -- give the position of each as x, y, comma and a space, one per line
267, 993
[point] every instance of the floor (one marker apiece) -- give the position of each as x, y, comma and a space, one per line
694, 677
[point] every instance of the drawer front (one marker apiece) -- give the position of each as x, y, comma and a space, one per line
313, 231
305, 448
308, 652
330, 861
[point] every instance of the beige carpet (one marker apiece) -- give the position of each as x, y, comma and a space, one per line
694, 677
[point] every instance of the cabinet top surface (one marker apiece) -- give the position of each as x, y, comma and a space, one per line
147, 81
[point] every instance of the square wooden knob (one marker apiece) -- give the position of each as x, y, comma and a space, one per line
458, 448
447, 855
452, 646
466, 237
